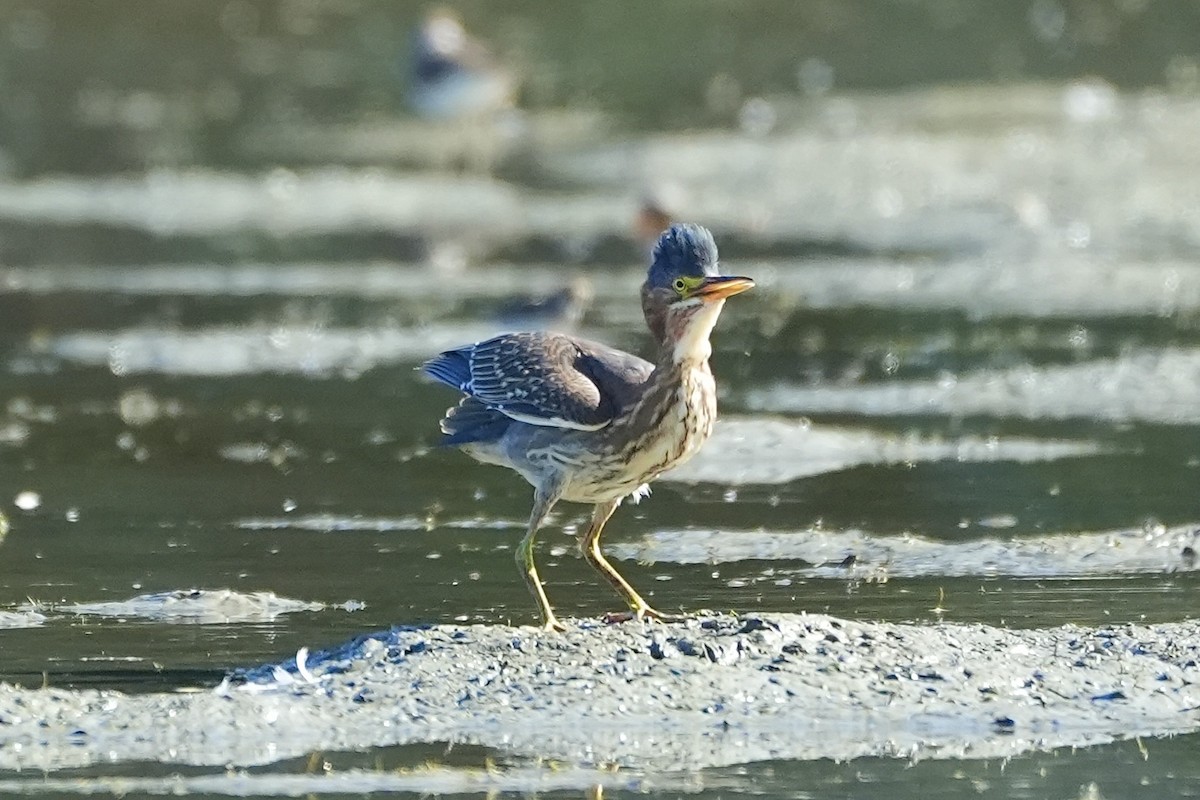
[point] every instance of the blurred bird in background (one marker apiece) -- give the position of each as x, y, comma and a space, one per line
561, 311
587, 423
452, 75
654, 215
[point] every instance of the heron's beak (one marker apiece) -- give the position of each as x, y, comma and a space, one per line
721, 286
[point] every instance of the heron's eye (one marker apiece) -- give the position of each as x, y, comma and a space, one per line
680, 285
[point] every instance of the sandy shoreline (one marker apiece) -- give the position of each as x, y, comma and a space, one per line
706, 692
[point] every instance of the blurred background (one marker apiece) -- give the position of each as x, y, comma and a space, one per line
201, 125
99, 90
964, 389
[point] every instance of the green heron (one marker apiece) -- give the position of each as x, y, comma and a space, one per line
587, 423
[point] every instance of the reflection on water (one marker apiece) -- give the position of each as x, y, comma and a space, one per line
971, 365
464, 769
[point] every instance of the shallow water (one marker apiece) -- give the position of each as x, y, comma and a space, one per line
964, 389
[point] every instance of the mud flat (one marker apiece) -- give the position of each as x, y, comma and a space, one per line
710, 691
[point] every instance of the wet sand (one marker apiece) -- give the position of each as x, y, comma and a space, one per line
657, 697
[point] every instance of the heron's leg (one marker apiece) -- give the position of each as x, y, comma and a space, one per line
544, 497
590, 545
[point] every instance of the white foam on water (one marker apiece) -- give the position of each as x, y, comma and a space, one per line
196, 606
1158, 386
21, 619
1153, 549
376, 280
282, 202
742, 451
1068, 285
746, 450
333, 523
427, 780
260, 452
1013, 170
1007, 169
253, 348
313, 202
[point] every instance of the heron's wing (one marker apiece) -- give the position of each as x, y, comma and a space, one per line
619, 375
544, 378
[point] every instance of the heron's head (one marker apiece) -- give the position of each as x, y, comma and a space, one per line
685, 291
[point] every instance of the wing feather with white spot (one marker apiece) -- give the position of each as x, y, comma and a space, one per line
545, 378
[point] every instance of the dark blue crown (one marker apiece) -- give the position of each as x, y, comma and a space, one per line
683, 249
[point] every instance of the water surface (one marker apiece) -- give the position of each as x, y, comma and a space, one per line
964, 389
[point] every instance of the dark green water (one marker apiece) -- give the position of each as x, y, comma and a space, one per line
207, 345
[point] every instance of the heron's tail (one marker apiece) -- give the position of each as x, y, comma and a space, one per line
452, 368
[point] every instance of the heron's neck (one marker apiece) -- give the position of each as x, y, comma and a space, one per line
686, 340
